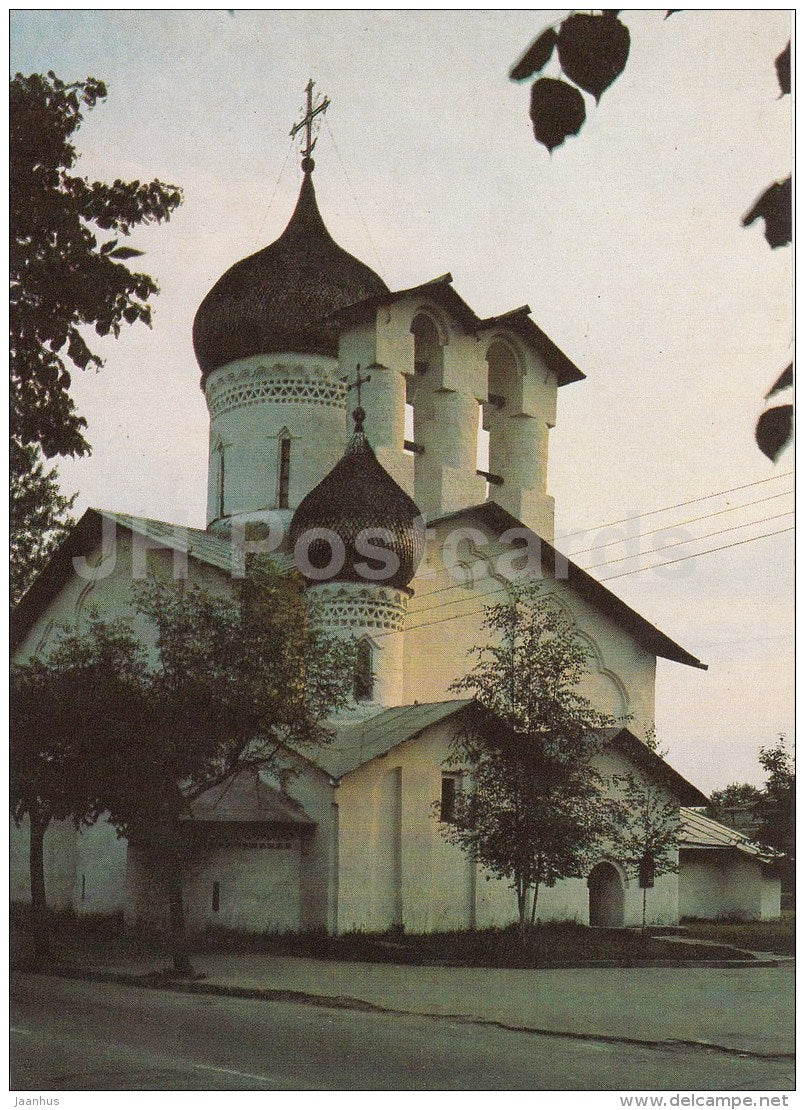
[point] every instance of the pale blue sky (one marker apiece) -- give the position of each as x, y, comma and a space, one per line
626, 243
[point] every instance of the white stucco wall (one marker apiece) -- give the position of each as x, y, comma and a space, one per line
438, 886
259, 884
621, 677
251, 401
100, 870
446, 403
84, 870
715, 883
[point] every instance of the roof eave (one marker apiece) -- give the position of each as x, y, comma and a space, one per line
594, 591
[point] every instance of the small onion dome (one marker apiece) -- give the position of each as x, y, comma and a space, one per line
357, 496
277, 300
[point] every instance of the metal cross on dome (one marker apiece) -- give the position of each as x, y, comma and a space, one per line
307, 122
359, 414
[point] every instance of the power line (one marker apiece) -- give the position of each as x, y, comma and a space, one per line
640, 535
355, 198
502, 589
696, 554
694, 539
681, 504
682, 523
609, 578
274, 192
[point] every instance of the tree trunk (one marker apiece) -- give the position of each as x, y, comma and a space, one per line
39, 909
178, 932
522, 903
534, 904
643, 930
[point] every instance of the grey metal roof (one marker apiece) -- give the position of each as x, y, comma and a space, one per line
357, 742
246, 799
699, 831
215, 551
626, 741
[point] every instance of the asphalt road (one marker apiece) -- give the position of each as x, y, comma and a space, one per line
68, 1035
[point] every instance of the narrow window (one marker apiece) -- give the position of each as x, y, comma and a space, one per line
363, 679
482, 441
221, 478
216, 897
447, 808
83, 888
284, 472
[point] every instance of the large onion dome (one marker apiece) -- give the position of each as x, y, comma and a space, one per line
277, 300
359, 494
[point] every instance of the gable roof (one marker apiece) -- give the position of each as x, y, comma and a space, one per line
196, 543
88, 533
625, 741
359, 742
584, 584
701, 832
246, 799
440, 289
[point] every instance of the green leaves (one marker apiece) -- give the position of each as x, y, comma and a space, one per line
592, 50
785, 381
535, 811
39, 517
62, 282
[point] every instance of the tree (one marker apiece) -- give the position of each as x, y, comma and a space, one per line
647, 840
64, 280
39, 516
232, 683
765, 814
534, 811
735, 806
68, 275
592, 51
61, 708
776, 807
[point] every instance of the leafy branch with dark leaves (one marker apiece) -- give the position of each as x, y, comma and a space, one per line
592, 51
67, 276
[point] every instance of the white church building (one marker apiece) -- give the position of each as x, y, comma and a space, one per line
353, 838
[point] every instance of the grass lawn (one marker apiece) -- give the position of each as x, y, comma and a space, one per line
564, 944
102, 942
760, 936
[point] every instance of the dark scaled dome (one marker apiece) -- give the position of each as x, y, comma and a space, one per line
278, 299
359, 494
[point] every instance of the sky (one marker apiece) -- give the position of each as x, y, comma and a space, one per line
626, 242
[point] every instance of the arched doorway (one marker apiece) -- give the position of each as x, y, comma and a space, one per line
606, 896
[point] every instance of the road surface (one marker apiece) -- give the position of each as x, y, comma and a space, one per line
71, 1035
